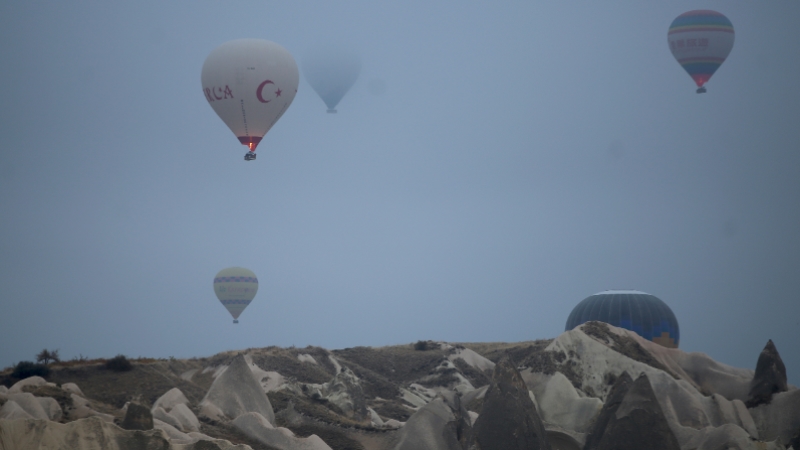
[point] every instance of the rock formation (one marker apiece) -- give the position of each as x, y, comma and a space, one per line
638, 422
609, 411
508, 419
770, 377
429, 429
137, 417
234, 393
92, 433
259, 428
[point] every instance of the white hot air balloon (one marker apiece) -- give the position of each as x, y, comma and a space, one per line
250, 83
235, 288
331, 72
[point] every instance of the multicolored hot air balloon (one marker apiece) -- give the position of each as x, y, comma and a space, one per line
700, 40
331, 72
637, 311
235, 288
250, 83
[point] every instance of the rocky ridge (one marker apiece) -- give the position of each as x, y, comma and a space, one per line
572, 392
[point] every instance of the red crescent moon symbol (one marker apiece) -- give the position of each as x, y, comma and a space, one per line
261, 88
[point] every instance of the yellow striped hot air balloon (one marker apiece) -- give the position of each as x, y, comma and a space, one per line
235, 288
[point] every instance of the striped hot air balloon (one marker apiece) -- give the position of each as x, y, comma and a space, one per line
235, 288
700, 40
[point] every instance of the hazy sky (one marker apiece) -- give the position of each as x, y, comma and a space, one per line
492, 166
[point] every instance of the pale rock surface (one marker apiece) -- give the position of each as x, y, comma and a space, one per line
685, 408
559, 403
705, 374
375, 418
185, 417
11, 410
91, 433
344, 391
51, 407
269, 380
476, 394
255, 426
82, 410
72, 388
447, 369
173, 434
394, 424
417, 395
305, 357
169, 399
172, 408
3, 389
162, 415
727, 437
473, 359
30, 404
425, 429
33, 381
189, 374
780, 419
235, 392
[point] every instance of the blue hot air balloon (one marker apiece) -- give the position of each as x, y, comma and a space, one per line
331, 72
637, 311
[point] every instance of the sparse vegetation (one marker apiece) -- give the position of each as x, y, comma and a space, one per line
25, 369
46, 356
422, 346
119, 363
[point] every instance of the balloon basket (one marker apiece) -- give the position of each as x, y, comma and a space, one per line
701, 90
235, 321
332, 111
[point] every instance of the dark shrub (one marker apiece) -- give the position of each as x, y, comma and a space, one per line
422, 346
119, 363
27, 369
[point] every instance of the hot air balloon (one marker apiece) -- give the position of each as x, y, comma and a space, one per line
331, 72
700, 41
645, 314
235, 288
250, 83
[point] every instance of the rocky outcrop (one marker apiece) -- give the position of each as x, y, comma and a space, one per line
92, 433
780, 419
172, 408
31, 382
344, 391
614, 400
559, 403
638, 422
432, 427
137, 417
257, 427
34, 406
236, 392
81, 409
770, 377
508, 419
11, 410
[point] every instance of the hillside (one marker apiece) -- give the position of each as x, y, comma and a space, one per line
421, 395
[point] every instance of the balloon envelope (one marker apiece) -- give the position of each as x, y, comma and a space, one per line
250, 83
700, 40
331, 72
637, 311
235, 288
